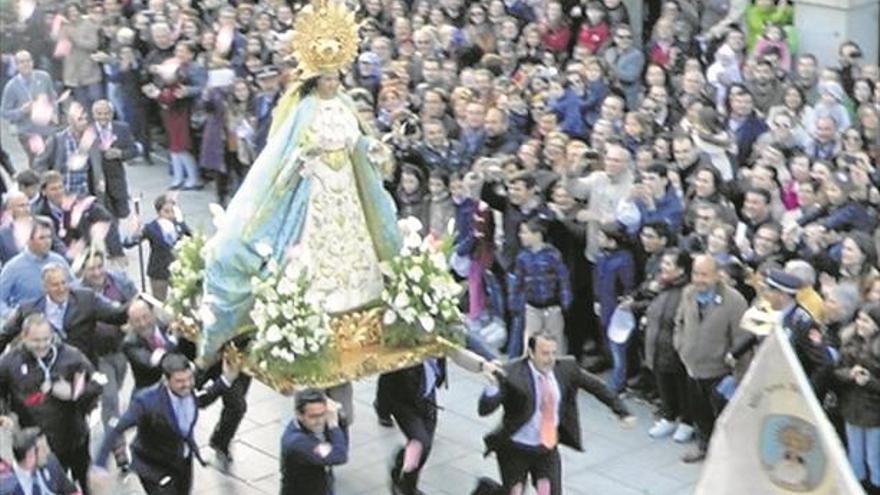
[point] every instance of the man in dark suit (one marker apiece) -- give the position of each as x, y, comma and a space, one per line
162, 234
51, 385
539, 395
72, 313
165, 415
145, 345
35, 469
312, 443
117, 146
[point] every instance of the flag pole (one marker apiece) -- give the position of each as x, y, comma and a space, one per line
140, 244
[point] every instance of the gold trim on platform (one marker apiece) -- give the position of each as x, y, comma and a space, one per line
357, 353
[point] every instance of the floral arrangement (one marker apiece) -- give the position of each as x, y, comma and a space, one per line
293, 334
420, 295
187, 275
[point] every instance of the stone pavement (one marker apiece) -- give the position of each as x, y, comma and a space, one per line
615, 461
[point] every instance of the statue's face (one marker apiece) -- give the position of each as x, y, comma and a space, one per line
327, 85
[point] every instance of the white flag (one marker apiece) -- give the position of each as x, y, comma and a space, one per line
773, 437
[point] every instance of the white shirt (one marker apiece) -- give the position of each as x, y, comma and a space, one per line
55, 314
26, 480
530, 433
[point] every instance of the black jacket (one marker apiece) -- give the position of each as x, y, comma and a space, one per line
859, 404
516, 395
84, 310
161, 252
139, 353
21, 379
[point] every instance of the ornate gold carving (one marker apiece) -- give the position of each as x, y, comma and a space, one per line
357, 330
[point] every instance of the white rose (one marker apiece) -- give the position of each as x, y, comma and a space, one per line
389, 317
298, 345
273, 334
264, 249
416, 274
426, 322
272, 311
401, 301
408, 315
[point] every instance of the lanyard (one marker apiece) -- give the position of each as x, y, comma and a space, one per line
47, 368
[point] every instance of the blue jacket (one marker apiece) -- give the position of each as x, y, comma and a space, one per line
54, 477
668, 209
569, 110
304, 471
596, 92
158, 449
746, 135
614, 276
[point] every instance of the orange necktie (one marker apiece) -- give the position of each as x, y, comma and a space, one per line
548, 402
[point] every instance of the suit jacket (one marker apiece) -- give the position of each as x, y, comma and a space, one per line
516, 395
161, 252
303, 471
53, 474
403, 391
139, 353
158, 449
55, 156
114, 170
84, 310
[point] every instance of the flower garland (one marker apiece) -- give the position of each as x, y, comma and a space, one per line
420, 294
293, 331
187, 277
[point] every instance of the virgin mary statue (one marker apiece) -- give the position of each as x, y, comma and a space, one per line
314, 197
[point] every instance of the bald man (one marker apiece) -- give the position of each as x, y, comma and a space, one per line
14, 236
706, 327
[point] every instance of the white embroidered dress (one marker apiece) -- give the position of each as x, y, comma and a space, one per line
335, 246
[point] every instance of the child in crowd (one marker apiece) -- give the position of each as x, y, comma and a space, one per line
614, 277
541, 287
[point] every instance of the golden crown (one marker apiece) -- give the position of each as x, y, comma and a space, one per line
325, 37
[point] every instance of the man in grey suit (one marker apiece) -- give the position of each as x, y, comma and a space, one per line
19, 96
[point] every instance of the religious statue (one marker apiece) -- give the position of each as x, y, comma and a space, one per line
314, 197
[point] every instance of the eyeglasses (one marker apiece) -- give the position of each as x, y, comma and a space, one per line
623, 36
852, 137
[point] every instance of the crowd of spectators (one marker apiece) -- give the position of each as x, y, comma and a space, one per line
706, 169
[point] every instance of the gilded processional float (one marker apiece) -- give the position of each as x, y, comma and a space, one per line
310, 279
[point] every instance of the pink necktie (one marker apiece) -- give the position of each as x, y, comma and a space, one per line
548, 403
